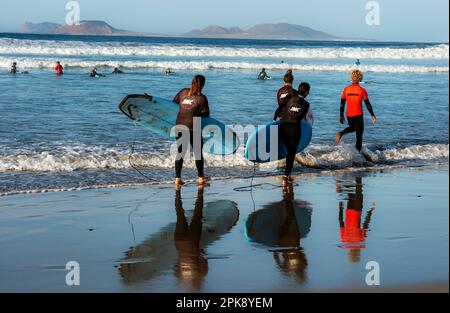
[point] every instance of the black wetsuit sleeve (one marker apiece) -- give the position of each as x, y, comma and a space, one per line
304, 110
342, 107
204, 108
369, 107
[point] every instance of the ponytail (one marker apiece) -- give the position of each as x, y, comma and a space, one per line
198, 82
288, 77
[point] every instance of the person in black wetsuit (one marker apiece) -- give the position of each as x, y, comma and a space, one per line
193, 104
289, 131
14, 68
263, 75
117, 71
285, 93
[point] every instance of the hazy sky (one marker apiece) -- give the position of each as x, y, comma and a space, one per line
405, 20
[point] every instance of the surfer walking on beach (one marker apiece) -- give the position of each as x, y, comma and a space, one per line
285, 93
59, 68
290, 130
354, 95
193, 104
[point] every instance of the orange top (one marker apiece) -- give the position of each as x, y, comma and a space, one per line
352, 234
58, 68
354, 95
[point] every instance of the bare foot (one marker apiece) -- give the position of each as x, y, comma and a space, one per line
202, 181
286, 181
178, 182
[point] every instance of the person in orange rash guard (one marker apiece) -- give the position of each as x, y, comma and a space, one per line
354, 95
353, 236
59, 68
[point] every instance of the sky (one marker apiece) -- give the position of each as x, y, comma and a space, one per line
400, 20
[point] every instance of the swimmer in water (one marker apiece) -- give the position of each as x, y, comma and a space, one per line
263, 75
14, 68
117, 71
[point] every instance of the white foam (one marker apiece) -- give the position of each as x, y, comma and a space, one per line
344, 156
80, 48
316, 156
44, 63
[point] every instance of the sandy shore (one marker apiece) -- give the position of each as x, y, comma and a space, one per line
317, 237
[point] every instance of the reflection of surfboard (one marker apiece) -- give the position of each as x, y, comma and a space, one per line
254, 148
159, 115
158, 253
264, 226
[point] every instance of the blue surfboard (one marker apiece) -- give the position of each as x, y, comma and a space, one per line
258, 148
159, 115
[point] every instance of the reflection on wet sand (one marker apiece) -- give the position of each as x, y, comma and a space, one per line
280, 226
181, 246
352, 235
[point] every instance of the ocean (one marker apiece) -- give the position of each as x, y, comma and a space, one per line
65, 133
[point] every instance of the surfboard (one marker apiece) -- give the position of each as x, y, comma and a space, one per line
159, 115
158, 253
258, 148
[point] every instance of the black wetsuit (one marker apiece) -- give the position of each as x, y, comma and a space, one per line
283, 96
263, 75
190, 107
290, 130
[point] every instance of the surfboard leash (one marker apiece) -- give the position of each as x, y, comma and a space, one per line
133, 148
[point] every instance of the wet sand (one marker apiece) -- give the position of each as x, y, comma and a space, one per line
319, 236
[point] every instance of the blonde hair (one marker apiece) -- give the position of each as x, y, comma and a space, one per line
356, 76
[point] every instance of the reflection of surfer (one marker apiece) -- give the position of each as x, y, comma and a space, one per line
292, 259
281, 225
263, 75
192, 104
353, 236
191, 266
290, 131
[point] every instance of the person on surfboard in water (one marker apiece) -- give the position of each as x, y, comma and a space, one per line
354, 95
290, 129
59, 68
193, 104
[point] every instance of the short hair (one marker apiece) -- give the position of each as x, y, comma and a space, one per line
304, 88
356, 76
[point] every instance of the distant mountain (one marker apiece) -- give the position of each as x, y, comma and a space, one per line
214, 30
39, 28
93, 28
263, 31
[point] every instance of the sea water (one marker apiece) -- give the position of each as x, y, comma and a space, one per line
66, 132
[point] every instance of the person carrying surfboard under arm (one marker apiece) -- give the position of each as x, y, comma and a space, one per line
290, 130
354, 95
285, 93
192, 104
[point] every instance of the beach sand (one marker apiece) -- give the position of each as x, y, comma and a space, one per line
154, 239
